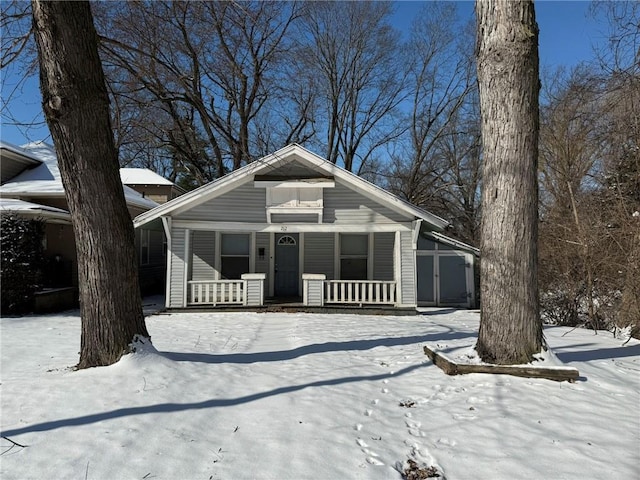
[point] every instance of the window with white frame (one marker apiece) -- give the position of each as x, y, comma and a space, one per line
354, 253
291, 197
234, 255
144, 246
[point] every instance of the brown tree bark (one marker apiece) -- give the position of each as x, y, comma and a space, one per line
507, 55
76, 107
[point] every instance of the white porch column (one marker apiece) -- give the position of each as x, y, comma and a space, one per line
254, 289
313, 289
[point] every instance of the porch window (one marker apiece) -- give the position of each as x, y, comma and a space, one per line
144, 246
354, 250
234, 255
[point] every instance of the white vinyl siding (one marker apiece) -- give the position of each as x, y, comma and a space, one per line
319, 248
407, 266
244, 204
383, 256
343, 205
176, 290
294, 218
203, 255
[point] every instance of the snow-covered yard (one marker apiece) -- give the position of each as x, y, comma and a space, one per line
295, 396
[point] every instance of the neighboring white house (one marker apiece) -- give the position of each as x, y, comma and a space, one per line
150, 185
293, 225
32, 187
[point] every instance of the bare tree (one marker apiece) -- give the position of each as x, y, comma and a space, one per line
438, 167
590, 177
568, 155
622, 62
210, 68
76, 106
352, 52
510, 325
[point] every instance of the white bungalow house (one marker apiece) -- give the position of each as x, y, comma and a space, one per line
295, 226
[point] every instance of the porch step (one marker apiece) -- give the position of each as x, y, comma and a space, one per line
300, 308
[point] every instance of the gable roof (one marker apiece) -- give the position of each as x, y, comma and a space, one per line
45, 179
142, 176
292, 152
14, 161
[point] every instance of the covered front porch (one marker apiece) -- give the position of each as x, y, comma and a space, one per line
351, 267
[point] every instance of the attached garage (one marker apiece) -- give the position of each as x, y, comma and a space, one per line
445, 271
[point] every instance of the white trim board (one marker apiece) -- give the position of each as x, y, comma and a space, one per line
291, 227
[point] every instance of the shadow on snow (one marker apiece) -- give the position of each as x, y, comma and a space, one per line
598, 354
212, 403
277, 356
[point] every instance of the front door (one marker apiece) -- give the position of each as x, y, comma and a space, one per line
286, 265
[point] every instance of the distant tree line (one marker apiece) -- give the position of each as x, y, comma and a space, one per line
590, 183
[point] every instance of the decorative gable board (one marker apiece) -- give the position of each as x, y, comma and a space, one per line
294, 169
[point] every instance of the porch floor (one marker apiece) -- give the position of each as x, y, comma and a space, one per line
295, 305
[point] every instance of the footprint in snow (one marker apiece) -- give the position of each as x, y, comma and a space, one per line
447, 441
458, 416
412, 424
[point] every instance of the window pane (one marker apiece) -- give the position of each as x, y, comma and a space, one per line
425, 244
283, 197
234, 267
354, 244
353, 269
235, 244
309, 196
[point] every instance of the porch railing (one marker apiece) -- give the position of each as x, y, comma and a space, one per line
360, 292
217, 292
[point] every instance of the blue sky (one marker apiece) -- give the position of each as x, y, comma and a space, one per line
567, 36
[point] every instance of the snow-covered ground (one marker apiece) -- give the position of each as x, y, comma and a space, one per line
297, 396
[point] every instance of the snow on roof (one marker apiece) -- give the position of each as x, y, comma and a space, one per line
142, 176
45, 179
26, 156
14, 205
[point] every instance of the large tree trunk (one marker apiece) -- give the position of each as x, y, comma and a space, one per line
76, 107
510, 326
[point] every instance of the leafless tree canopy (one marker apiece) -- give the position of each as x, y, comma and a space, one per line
590, 172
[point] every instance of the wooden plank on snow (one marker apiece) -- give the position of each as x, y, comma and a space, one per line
558, 374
